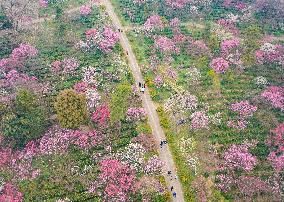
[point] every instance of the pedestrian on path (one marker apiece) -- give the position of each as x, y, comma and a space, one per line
165, 142
174, 194
140, 84
143, 88
161, 144
172, 188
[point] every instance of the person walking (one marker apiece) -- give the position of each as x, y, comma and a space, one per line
161, 144
174, 194
143, 88
172, 188
140, 84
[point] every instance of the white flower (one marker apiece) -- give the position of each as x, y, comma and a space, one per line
193, 162
194, 75
93, 98
268, 47
261, 81
186, 145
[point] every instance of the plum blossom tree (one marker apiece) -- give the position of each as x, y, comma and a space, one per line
115, 180
238, 157
276, 144
275, 95
166, 45
10, 193
243, 108
219, 65
101, 115
199, 120
154, 22
135, 114
16, 10
85, 10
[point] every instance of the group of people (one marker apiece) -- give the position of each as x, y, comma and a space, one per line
163, 142
172, 187
142, 87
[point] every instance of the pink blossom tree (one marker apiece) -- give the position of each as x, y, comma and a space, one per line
10, 194
153, 22
238, 157
115, 180
275, 95
219, 65
101, 115
199, 120
85, 10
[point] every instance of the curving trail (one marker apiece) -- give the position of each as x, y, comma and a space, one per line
149, 106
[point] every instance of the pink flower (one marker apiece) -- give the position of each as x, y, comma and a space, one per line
153, 22
135, 114
238, 157
228, 45
101, 115
277, 161
91, 33
110, 39
80, 87
56, 66
199, 120
24, 51
240, 6
275, 94
158, 81
43, 3
244, 108
10, 194
85, 10
70, 65
179, 4
220, 65
166, 45
116, 180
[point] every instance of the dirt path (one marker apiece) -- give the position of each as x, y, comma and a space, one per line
150, 108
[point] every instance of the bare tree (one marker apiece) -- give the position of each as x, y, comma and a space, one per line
17, 10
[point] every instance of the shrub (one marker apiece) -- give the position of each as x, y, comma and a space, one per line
26, 121
71, 108
119, 102
164, 121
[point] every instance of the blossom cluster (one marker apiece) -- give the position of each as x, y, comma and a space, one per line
104, 40
135, 114
238, 157
244, 108
199, 120
166, 45
18, 56
10, 193
276, 144
177, 4
158, 81
154, 165
85, 10
275, 95
133, 155
182, 101
57, 140
270, 53
101, 114
228, 45
116, 180
67, 65
153, 22
219, 65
